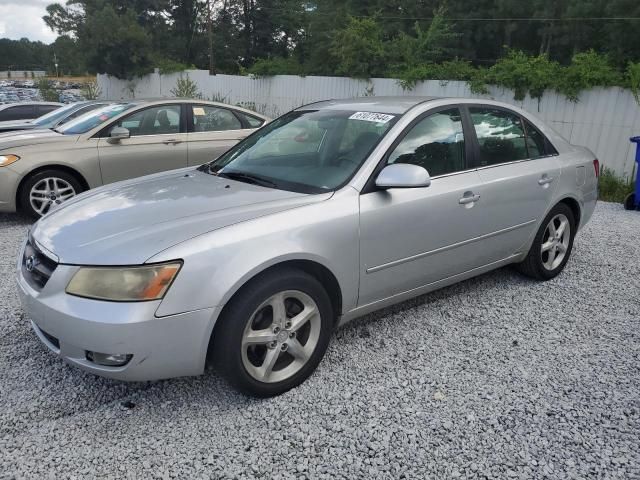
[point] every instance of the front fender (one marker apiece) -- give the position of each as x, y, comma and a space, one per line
219, 263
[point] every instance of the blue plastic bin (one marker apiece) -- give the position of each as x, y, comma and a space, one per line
632, 202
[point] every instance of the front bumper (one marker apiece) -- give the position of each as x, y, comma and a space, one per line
9, 180
162, 347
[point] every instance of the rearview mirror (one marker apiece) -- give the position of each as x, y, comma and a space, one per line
403, 175
118, 133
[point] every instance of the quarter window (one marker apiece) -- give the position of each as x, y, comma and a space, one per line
213, 119
253, 122
537, 143
435, 143
161, 120
500, 135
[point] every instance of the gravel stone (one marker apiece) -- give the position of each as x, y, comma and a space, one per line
497, 377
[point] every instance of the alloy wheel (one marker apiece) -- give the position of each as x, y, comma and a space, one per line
280, 336
48, 192
556, 240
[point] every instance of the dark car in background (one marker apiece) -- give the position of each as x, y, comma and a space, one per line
54, 118
26, 110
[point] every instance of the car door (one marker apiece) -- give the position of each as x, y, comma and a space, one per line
212, 131
157, 142
416, 236
519, 170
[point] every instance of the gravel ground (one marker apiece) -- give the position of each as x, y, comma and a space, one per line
495, 377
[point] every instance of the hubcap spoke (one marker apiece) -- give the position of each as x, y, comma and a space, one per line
279, 310
269, 362
259, 337
548, 245
297, 350
303, 317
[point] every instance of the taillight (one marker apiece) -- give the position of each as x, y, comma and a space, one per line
596, 167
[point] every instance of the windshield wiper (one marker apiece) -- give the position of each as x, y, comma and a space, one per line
247, 178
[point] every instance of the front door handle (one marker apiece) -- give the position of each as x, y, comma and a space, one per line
545, 180
469, 197
172, 141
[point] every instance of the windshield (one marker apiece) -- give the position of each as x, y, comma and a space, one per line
55, 115
90, 120
309, 151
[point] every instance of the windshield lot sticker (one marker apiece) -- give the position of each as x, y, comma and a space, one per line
371, 117
198, 111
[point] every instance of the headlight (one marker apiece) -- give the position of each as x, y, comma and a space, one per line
8, 160
124, 284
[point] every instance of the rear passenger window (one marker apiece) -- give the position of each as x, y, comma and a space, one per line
213, 119
500, 135
436, 143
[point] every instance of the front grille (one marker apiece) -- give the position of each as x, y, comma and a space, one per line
37, 268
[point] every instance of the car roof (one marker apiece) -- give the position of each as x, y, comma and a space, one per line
160, 101
7, 105
392, 105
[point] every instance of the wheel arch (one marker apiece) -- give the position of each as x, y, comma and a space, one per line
64, 168
574, 205
314, 268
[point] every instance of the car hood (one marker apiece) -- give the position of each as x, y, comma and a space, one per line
9, 140
16, 124
129, 222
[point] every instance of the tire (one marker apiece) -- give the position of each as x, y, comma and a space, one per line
630, 202
243, 357
549, 253
53, 186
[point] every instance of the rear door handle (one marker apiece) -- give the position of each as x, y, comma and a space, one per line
172, 141
545, 180
469, 197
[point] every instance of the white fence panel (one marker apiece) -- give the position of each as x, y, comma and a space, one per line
603, 119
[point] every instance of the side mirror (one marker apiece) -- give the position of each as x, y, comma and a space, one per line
403, 175
117, 134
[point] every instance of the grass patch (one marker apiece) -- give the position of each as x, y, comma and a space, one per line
613, 188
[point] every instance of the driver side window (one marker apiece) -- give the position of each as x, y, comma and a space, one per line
160, 120
436, 143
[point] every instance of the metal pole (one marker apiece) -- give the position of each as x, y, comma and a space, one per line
212, 70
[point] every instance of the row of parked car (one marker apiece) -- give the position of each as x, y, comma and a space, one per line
75, 147
13, 91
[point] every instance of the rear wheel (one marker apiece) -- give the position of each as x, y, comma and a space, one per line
552, 245
46, 189
273, 333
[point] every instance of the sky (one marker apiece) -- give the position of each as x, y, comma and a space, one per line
23, 18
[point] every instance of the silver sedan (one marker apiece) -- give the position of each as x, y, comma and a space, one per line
332, 211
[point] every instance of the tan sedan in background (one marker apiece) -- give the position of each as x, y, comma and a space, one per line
39, 169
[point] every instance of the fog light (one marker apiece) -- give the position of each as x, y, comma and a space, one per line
109, 359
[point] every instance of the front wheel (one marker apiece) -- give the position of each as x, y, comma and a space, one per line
552, 245
44, 190
630, 202
273, 333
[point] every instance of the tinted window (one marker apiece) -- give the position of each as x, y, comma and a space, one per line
213, 119
253, 122
44, 109
500, 135
435, 143
19, 112
537, 143
161, 120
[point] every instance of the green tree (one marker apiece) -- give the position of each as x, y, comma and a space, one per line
359, 49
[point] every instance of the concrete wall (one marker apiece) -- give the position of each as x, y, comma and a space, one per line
603, 119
